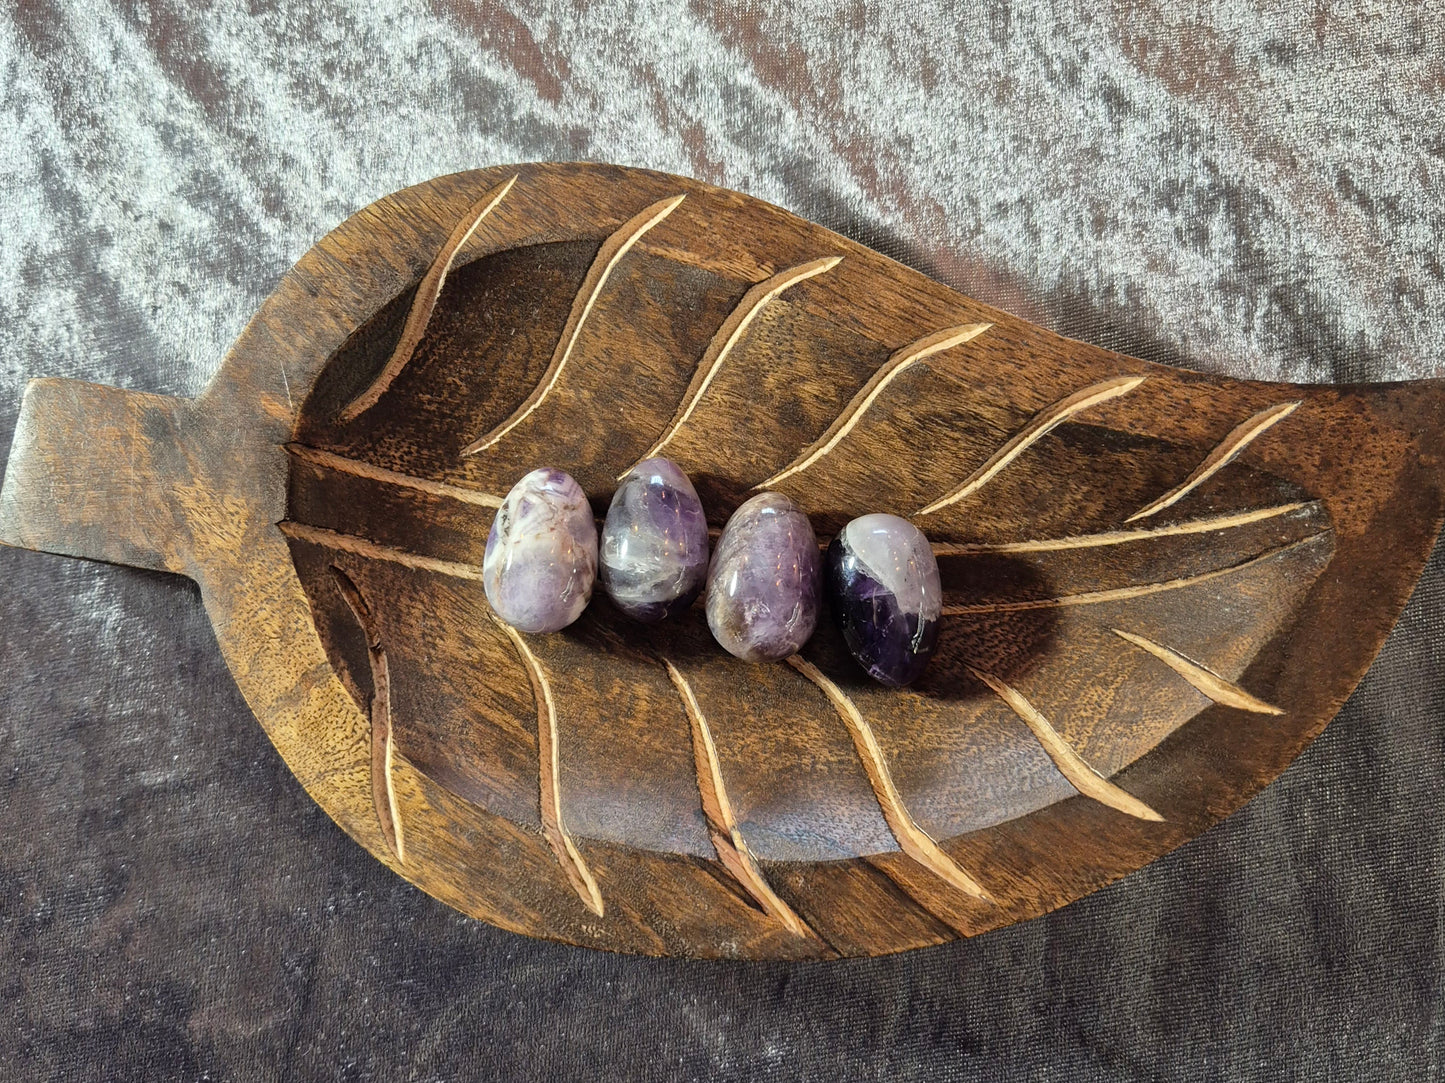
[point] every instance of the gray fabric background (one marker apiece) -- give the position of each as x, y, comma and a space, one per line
1252, 189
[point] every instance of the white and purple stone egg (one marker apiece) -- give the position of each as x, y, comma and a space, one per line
764, 585
654, 542
541, 554
886, 596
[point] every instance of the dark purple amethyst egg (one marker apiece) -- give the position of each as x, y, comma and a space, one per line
886, 596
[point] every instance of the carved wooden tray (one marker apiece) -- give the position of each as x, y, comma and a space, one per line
1160, 586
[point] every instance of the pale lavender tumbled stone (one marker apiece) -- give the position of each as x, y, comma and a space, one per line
541, 553
764, 585
654, 542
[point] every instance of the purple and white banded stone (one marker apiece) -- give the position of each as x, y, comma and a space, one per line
764, 586
541, 553
886, 596
654, 542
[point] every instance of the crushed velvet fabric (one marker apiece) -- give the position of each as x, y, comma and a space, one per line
1249, 188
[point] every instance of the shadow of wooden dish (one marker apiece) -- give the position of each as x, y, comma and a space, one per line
1158, 586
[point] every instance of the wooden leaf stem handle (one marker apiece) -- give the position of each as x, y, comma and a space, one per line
93, 471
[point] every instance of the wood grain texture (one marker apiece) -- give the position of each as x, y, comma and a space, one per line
424, 302
383, 792
1043, 423
549, 778
727, 837
727, 337
1229, 449
901, 360
1201, 677
565, 788
1070, 764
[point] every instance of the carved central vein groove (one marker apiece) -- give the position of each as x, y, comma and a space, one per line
1120, 537
356, 467
350, 543
1119, 594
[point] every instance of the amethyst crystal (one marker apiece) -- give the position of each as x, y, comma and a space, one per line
884, 588
654, 542
764, 585
541, 553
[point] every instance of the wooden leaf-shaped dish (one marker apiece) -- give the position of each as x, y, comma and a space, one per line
1159, 586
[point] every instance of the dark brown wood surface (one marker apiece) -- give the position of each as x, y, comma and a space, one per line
1160, 586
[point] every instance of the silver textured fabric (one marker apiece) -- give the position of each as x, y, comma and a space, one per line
1249, 188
